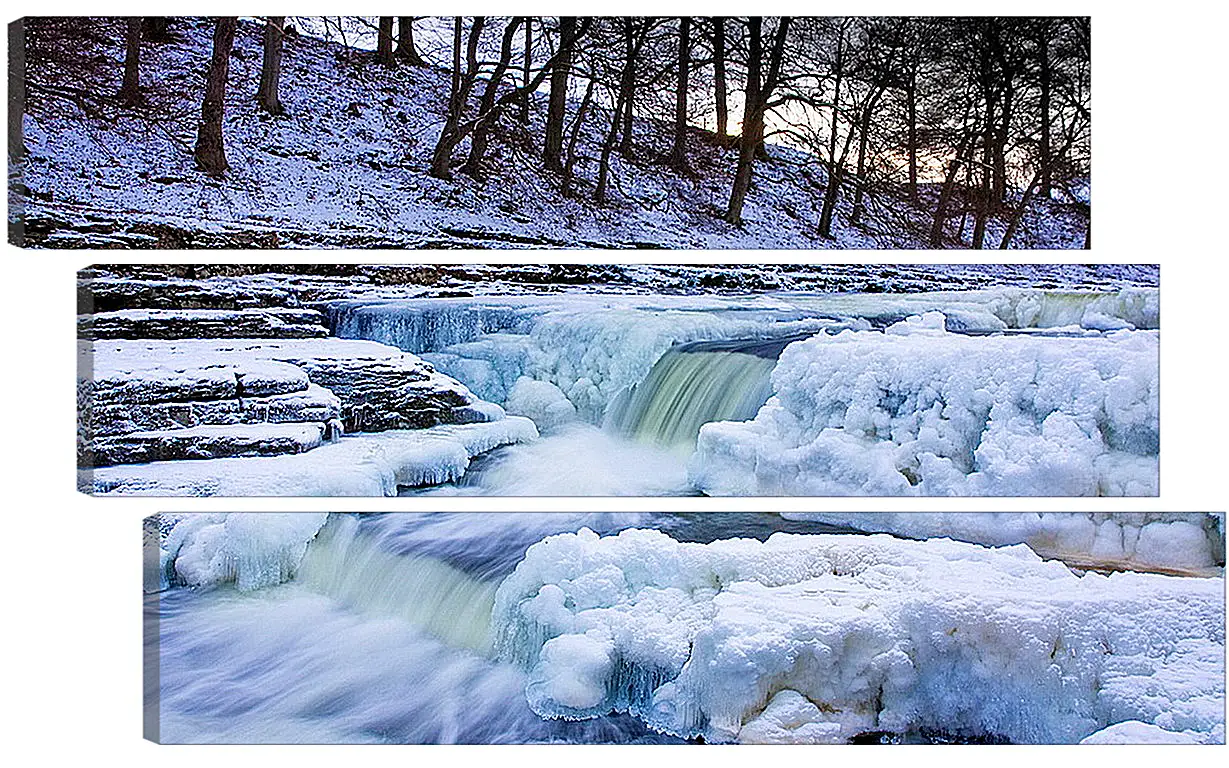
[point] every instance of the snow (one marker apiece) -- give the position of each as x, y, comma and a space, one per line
251, 551
540, 401
1135, 732
818, 638
578, 459
368, 464
1176, 541
918, 410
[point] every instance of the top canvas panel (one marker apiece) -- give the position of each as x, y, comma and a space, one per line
554, 132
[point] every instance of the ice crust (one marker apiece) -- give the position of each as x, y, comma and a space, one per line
373, 464
920, 410
818, 638
1179, 541
251, 551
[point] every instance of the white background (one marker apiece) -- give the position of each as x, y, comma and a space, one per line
71, 685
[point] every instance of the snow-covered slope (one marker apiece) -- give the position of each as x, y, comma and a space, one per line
347, 167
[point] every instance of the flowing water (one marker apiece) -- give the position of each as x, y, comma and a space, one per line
648, 432
383, 636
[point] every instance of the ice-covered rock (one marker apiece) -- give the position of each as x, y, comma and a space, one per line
366, 464
595, 347
819, 638
209, 441
540, 401
249, 550
1169, 541
202, 324
129, 387
937, 413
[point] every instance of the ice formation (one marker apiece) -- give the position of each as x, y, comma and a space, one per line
818, 638
595, 347
374, 464
252, 551
920, 410
1170, 541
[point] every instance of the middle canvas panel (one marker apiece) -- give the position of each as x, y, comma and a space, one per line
609, 379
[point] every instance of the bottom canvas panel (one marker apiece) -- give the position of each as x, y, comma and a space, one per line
685, 628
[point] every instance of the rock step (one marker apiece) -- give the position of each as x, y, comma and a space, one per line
203, 324
213, 441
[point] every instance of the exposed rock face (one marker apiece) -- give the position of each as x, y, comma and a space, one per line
202, 324
205, 398
210, 441
100, 293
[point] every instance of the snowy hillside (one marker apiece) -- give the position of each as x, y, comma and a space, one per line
347, 167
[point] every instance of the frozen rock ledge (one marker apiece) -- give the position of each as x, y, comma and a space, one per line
374, 464
819, 638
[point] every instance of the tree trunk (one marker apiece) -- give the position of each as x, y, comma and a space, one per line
553, 153
210, 154
608, 145
405, 42
570, 165
723, 112
130, 93
628, 85
678, 154
752, 128
1018, 214
911, 109
441, 159
271, 69
528, 69
984, 194
1047, 177
488, 114
384, 41
999, 189
758, 91
945, 193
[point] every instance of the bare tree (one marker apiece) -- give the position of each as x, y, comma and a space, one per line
719, 85
130, 92
209, 153
552, 153
678, 154
462, 83
384, 41
271, 66
405, 42
756, 100
486, 108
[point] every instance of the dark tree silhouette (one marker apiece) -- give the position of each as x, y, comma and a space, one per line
210, 153
271, 66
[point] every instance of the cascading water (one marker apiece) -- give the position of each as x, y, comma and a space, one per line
381, 636
693, 384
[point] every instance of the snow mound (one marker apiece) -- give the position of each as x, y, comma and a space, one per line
919, 410
251, 551
540, 401
1172, 541
819, 638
